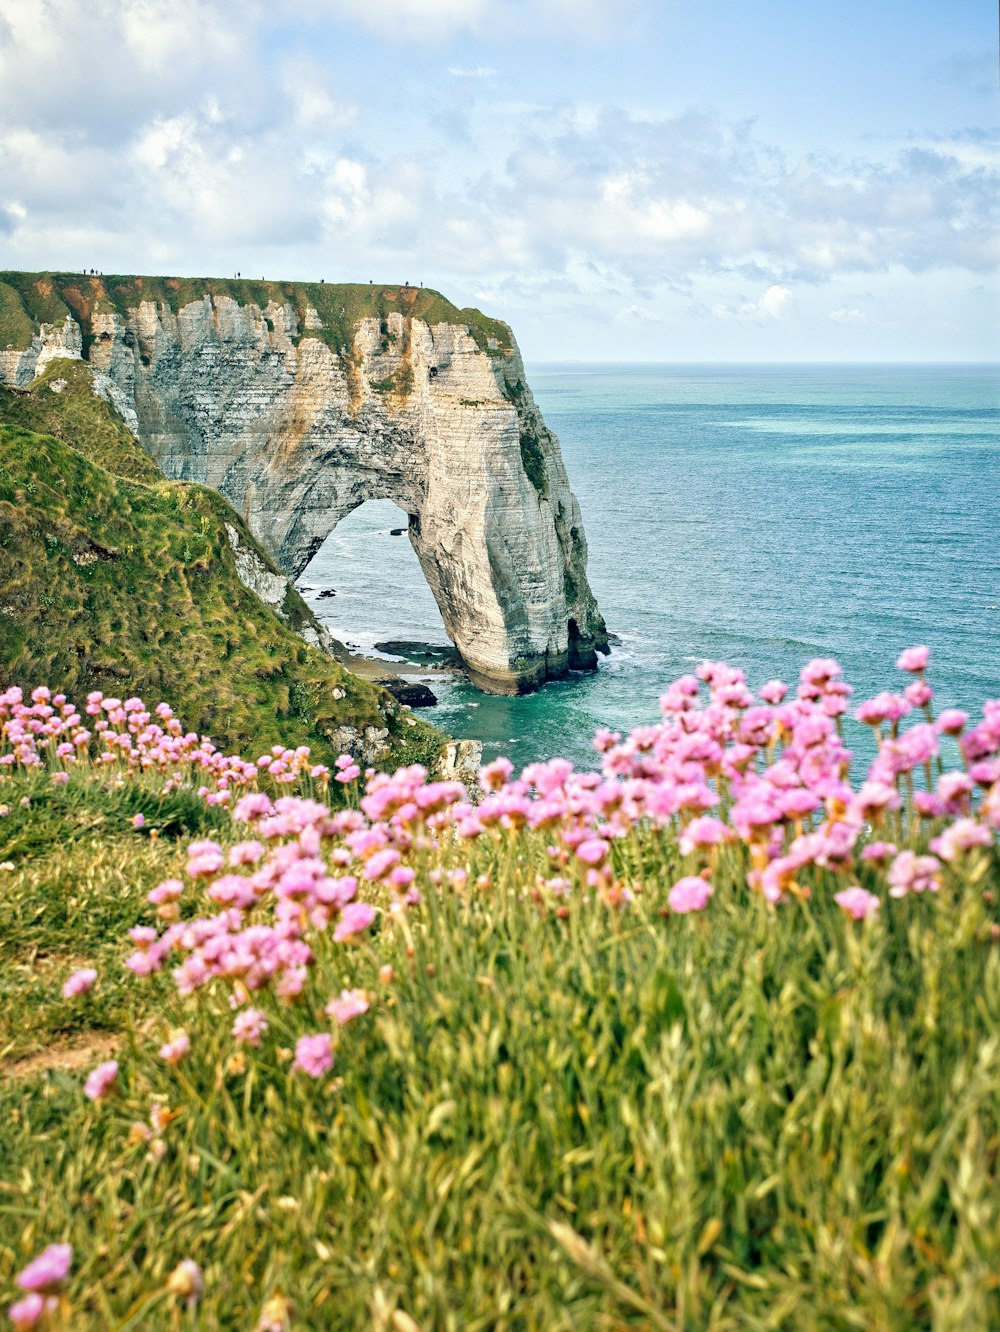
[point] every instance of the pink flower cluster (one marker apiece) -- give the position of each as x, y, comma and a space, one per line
766, 776
762, 781
274, 891
126, 738
41, 1279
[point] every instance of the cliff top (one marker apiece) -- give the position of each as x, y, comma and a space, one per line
30, 299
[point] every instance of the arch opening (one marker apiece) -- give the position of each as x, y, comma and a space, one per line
366, 586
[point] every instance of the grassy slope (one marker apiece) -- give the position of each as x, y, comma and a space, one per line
113, 577
753, 1120
79, 876
28, 299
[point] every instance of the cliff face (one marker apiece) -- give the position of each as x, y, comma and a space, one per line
299, 403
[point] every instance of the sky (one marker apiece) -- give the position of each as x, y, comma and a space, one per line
653, 180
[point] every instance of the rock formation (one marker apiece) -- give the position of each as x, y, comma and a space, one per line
299, 402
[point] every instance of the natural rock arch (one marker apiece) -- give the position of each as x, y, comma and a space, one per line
297, 429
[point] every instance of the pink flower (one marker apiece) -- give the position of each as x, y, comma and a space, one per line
605, 739
138, 820
249, 1026
879, 852
919, 693
176, 1048
79, 983
774, 691
913, 659
883, 707
379, 864
314, 1054
952, 721
689, 894
961, 836
246, 853
873, 798
910, 873
27, 1312
349, 1004
167, 891
704, 831
355, 918
496, 774
592, 851
820, 671
857, 902
205, 858
50, 1268
928, 804
101, 1080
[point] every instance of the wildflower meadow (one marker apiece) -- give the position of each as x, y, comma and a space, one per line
707, 1037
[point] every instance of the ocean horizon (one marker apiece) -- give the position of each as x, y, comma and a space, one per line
761, 513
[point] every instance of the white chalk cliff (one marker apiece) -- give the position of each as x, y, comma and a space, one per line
298, 420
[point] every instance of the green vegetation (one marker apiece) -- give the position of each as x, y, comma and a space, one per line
399, 383
79, 878
754, 1120
27, 299
79, 418
110, 573
533, 458
16, 325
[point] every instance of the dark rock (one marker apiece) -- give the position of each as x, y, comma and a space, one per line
398, 531
409, 692
422, 654
327, 592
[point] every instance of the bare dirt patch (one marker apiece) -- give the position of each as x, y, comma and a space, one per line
69, 1057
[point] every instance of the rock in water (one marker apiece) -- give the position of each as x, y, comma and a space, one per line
303, 406
410, 692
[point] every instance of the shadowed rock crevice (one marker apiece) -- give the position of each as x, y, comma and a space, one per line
301, 407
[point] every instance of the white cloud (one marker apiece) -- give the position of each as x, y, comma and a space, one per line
314, 108
638, 312
693, 193
151, 147
436, 20
411, 20
94, 67
773, 304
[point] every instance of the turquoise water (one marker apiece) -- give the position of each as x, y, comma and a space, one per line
759, 514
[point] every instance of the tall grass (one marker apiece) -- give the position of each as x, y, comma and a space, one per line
564, 1107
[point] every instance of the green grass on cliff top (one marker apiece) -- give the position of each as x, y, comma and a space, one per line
112, 577
29, 299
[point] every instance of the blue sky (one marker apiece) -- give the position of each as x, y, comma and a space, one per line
619, 179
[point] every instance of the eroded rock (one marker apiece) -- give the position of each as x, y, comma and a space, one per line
297, 433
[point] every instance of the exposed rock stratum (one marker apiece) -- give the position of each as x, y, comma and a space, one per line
299, 402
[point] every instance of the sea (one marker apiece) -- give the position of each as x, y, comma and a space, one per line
757, 514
